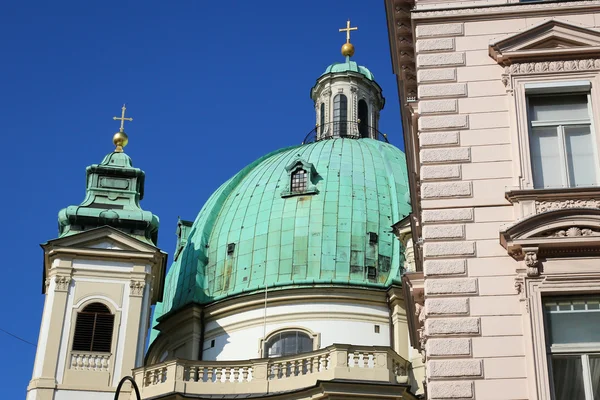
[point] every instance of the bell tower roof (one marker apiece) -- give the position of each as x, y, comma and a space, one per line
349, 66
113, 193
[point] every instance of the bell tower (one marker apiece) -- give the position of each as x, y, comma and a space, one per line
100, 278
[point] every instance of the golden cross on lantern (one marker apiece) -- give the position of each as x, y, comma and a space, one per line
122, 119
347, 29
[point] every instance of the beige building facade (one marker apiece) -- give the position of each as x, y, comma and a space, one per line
501, 106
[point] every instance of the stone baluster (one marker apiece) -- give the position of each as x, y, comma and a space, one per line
209, 374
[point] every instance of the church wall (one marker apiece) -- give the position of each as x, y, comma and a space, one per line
239, 336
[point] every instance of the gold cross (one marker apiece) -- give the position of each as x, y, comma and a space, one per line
347, 29
122, 119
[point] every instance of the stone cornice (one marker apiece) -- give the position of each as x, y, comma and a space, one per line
484, 12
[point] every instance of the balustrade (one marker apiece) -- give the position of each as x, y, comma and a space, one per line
281, 373
90, 361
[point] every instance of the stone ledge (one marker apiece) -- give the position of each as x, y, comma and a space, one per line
440, 60
439, 172
436, 75
455, 369
447, 215
451, 286
445, 267
429, 139
452, 326
445, 155
450, 390
447, 306
450, 347
443, 190
444, 232
433, 30
441, 90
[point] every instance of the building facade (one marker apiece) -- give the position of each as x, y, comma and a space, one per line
287, 285
500, 106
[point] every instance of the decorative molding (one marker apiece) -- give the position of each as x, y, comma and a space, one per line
532, 263
538, 67
509, 9
136, 287
543, 206
420, 314
574, 232
62, 283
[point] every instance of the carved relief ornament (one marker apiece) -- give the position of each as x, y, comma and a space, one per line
62, 283
137, 287
543, 206
529, 68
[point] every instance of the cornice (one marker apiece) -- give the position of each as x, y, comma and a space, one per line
544, 8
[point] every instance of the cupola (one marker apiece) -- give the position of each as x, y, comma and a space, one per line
347, 98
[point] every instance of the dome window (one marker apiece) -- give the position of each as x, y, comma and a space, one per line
230, 249
94, 329
340, 115
363, 119
302, 177
322, 119
299, 181
288, 343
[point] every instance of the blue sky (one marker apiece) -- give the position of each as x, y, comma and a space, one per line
211, 87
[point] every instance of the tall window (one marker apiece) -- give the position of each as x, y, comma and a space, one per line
340, 115
573, 340
561, 141
363, 116
322, 117
94, 329
299, 181
288, 344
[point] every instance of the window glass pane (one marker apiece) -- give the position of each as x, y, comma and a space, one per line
568, 378
595, 374
573, 321
580, 155
545, 158
558, 107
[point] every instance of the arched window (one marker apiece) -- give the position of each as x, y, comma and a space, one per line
340, 115
363, 117
94, 329
288, 343
322, 118
299, 181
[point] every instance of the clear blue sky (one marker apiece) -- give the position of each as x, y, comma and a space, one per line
211, 85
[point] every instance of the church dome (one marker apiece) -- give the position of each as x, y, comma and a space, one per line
264, 226
351, 66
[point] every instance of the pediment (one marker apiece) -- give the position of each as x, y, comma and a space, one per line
102, 238
574, 231
550, 40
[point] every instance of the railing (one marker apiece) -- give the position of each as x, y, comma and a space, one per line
90, 361
344, 129
273, 374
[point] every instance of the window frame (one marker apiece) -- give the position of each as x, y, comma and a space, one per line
561, 90
82, 310
523, 86
565, 277
576, 349
314, 336
340, 126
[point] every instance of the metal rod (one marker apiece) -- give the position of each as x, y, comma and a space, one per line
135, 387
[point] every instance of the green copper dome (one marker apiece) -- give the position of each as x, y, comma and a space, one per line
349, 66
254, 231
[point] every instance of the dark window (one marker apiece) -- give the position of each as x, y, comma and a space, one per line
371, 273
363, 118
94, 329
373, 238
230, 248
573, 344
288, 344
340, 115
322, 127
299, 180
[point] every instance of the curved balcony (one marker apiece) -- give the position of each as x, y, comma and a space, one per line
359, 364
344, 129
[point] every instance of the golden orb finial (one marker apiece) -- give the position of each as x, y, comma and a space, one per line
120, 138
348, 48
